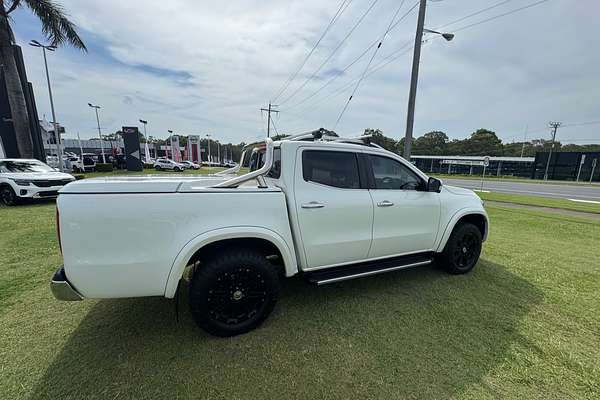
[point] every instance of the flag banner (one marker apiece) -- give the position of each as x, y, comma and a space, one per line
175, 148
147, 152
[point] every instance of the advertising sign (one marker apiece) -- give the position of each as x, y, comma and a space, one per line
194, 148
131, 139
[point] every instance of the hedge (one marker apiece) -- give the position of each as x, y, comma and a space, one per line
104, 167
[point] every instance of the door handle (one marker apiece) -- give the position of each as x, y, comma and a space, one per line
313, 204
385, 203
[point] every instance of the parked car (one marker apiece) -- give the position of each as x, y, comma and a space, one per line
190, 165
165, 163
326, 210
29, 179
89, 162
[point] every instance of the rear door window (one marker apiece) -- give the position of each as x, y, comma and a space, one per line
331, 168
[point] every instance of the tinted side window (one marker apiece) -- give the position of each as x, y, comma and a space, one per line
331, 168
391, 174
275, 171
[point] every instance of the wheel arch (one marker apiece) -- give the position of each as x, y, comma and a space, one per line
203, 245
476, 217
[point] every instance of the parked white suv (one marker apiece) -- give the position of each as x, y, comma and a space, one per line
329, 210
190, 165
165, 163
23, 178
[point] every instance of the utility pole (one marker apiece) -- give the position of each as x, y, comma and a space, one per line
554, 126
269, 111
410, 117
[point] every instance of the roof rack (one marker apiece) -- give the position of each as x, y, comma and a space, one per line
321, 135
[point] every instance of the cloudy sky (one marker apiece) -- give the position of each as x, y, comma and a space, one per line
200, 67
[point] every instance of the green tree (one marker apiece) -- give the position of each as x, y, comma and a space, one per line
431, 143
58, 30
379, 138
484, 142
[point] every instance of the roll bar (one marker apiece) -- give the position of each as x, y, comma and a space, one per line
234, 182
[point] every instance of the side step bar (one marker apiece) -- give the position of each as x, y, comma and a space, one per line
352, 271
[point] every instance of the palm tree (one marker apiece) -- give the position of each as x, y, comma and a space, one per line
58, 30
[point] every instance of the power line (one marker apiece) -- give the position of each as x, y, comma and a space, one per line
582, 123
473, 14
347, 67
362, 17
343, 6
388, 59
456, 30
500, 15
368, 64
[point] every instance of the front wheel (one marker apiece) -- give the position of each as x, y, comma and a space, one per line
462, 250
233, 292
157, 167
8, 196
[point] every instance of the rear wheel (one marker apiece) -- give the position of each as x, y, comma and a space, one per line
462, 250
8, 196
233, 292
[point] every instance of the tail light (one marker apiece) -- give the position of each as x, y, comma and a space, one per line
58, 229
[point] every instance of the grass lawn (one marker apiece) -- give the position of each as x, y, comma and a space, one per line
525, 324
540, 202
512, 179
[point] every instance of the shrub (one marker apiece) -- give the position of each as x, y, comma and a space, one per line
148, 165
104, 167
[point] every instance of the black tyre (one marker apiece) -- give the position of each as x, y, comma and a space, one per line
157, 167
233, 292
462, 250
8, 196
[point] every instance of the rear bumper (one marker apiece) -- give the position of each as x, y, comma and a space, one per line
61, 287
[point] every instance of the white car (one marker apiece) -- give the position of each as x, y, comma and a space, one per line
165, 163
329, 210
23, 178
190, 165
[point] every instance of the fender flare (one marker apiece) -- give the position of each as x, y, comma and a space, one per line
232, 232
452, 223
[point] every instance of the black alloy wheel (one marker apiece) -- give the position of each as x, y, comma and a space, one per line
8, 196
233, 292
463, 249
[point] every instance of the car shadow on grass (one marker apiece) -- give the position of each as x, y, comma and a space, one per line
410, 334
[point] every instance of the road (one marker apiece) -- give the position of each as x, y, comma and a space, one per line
586, 193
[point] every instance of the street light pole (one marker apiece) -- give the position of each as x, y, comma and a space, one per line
96, 108
146, 148
414, 78
35, 43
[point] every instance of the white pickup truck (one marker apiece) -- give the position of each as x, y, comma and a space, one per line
328, 209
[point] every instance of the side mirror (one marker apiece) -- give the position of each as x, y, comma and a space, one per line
434, 185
